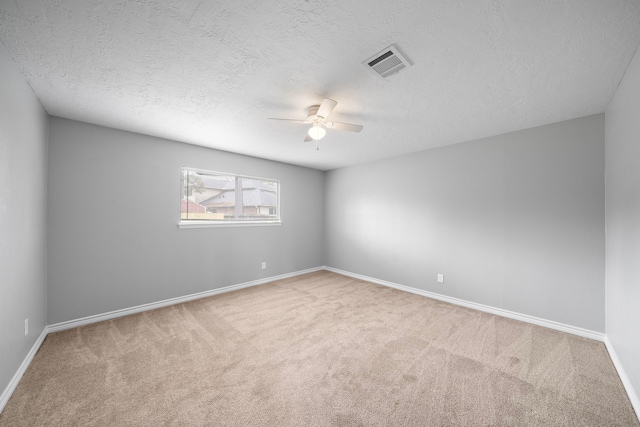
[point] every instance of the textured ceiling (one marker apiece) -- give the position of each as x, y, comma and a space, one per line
211, 72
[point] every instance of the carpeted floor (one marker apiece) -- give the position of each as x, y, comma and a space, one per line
318, 350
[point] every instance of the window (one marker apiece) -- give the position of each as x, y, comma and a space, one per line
216, 198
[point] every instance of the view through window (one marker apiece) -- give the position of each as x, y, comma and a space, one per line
222, 197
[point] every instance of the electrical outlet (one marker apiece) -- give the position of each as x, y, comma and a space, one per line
440, 278
26, 327
264, 265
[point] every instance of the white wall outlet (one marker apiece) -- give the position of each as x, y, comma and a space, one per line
26, 327
264, 265
440, 278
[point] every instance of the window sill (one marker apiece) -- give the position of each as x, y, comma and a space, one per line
213, 224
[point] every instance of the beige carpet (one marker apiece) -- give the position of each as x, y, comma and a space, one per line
318, 350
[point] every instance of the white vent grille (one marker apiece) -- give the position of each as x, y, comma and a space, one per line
387, 62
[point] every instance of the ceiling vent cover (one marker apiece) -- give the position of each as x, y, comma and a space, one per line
387, 62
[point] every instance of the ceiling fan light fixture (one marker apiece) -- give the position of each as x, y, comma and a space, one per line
317, 117
317, 132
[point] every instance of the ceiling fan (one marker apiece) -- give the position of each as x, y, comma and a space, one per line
318, 116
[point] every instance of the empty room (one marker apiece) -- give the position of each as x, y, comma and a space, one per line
319, 213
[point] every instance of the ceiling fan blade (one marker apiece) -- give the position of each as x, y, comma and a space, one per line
308, 138
344, 126
289, 120
326, 107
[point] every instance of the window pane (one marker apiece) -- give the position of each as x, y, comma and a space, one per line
215, 196
259, 198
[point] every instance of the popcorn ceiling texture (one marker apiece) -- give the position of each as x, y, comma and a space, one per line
211, 72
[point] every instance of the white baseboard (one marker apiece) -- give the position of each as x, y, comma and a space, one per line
151, 306
8, 391
598, 336
633, 397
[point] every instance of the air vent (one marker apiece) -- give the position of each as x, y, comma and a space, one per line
387, 62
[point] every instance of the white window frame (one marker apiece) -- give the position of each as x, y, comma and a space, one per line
199, 223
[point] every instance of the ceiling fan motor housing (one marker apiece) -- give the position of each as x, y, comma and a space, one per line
313, 113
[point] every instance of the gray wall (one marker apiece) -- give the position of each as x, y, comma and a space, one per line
514, 221
113, 214
623, 222
23, 209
